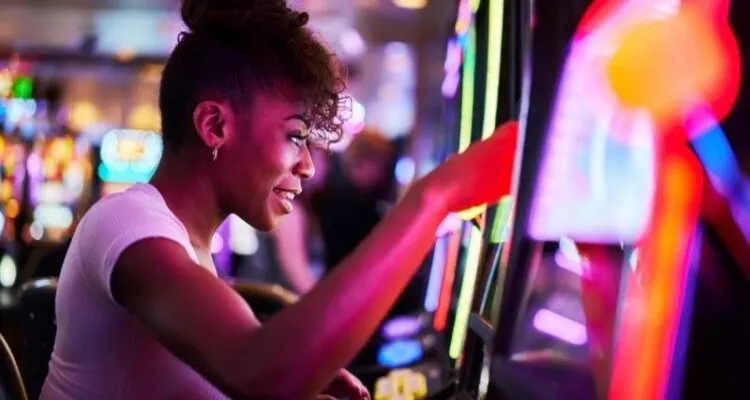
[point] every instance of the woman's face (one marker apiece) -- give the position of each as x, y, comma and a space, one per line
264, 160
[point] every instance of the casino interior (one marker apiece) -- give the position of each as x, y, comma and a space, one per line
617, 265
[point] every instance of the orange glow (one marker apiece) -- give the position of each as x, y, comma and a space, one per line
12, 208
653, 309
668, 65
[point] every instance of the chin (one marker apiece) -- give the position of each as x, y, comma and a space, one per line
265, 223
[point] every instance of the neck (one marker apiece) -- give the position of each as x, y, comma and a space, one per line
188, 192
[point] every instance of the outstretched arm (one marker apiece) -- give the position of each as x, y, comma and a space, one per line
299, 351
211, 328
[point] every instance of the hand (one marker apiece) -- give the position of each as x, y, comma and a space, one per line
346, 385
480, 175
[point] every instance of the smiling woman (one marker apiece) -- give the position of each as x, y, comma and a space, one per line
140, 312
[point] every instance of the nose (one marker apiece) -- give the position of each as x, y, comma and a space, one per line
305, 167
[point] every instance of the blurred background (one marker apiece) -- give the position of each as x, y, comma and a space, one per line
79, 87
79, 98
79, 120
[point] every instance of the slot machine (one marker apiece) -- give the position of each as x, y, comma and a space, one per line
616, 282
12, 181
479, 98
127, 157
59, 172
18, 112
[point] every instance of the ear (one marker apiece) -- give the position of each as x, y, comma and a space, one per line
210, 121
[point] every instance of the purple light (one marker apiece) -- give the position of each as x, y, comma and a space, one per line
560, 327
400, 327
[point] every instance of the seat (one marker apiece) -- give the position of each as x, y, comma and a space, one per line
265, 300
38, 326
38, 329
11, 383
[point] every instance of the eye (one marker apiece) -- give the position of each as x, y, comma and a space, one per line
298, 137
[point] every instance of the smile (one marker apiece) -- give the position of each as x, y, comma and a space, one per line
286, 197
286, 194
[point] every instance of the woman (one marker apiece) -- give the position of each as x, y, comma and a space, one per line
141, 313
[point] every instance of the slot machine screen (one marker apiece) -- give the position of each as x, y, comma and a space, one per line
587, 300
128, 157
59, 171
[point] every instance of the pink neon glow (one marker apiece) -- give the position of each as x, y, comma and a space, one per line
597, 171
566, 263
217, 243
400, 327
560, 327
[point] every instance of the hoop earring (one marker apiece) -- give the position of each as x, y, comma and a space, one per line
215, 153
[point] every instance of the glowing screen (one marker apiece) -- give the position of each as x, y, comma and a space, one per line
129, 156
596, 180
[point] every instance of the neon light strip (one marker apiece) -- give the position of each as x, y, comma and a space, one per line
498, 229
560, 327
652, 324
467, 90
492, 88
464, 140
436, 275
466, 293
494, 55
444, 302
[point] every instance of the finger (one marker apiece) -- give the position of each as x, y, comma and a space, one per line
347, 385
507, 129
356, 385
346, 390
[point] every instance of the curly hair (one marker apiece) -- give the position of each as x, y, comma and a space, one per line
239, 48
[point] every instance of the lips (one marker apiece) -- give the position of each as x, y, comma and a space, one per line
286, 197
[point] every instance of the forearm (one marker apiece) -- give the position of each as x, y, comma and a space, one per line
326, 329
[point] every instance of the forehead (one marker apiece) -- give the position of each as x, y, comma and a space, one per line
278, 107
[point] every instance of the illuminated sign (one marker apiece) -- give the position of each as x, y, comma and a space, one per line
129, 156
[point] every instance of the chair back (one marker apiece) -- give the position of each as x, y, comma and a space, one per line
11, 383
38, 329
265, 300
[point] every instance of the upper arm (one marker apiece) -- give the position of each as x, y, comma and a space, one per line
133, 257
191, 312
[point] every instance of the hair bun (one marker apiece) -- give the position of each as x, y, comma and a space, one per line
241, 18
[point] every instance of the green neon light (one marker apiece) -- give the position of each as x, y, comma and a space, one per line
466, 294
489, 119
474, 5
467, 90
494, 55
499, 233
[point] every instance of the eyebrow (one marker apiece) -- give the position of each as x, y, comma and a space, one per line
300, 117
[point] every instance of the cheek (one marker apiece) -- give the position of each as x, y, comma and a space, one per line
268, 164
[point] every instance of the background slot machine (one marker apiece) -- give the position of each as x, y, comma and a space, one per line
127, 157
618, 284
12, 181
508, 27
18, 123
59, 171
